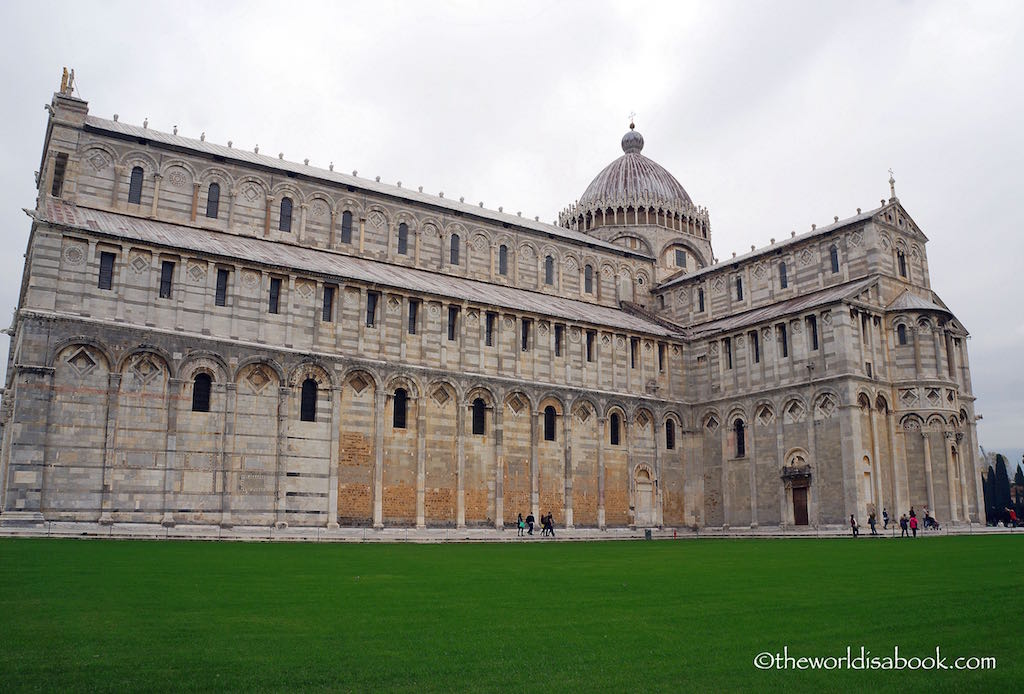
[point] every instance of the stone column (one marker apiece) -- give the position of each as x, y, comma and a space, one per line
954, 514
378, 462
899, 470
119, 170
460, 472
171, 449
600, 473
421, 461
928, 468
26, 419
499, 471
567, 481
283, 394
332, 493
876, 466
195, 202
535, 425
659, 511
109, 441
229, 481
752, 457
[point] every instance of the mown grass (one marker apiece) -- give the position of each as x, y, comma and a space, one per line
540, 617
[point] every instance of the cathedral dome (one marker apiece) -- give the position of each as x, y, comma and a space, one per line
633, 178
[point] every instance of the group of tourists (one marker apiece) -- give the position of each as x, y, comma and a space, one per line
547, 524
908, 523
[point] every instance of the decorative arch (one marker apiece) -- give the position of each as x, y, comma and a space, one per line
359, 379
203, 361
268, 362
442, 391
310, 369
481, 392
796, 457
216, 174
911, 422
136, 157
407, 383
881, 404
256, 181
348, 204
80, 341
288, 189
125, 359
171, 163
711, 420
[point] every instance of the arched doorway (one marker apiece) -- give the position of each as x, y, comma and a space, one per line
644, 498
796, 476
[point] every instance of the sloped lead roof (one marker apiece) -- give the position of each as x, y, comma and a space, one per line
912, 302
335, 265
247, 157
783, 308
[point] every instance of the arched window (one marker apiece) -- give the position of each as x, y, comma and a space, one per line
201, 392
213, 200
346, 227
454, 255
783, 276
588, 279
403, 239
549, 423
308, 408
741, 444
902, 260
135, 186
549, 270
833, 254
901, 334
401, 404
613, 426
503, 260
479, 416
670, 434
285, 223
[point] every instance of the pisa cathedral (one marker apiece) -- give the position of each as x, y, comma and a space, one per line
212, 336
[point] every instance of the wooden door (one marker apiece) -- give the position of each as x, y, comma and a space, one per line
800, 505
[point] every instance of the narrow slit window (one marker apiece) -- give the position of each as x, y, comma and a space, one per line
591, 336
285, 221
549, 270
700, 300
414, 315
135, 186
755, 343
902, 260
371, 308
901, 334
213, 200
613, 425
503, 260
275, 295
549, 423
166, 279
661, 357
201, 392
453, 255
559, 336
833, 254
727, 348
783, 276
783, 339
524, 334
634, 351
739, 289
328, 309
670, 434
221, 297
308, 405
812, 330
453, 322
106, 278
403, 239
479, 417
489, 322
401, 403
588, 279
346, 227
741, 444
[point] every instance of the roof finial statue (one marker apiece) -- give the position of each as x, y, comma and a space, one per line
892, 187
67, 82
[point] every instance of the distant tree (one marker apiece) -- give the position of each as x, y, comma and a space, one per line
1002, 485
1018, 492
988, 479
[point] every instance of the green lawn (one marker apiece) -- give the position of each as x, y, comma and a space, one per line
533, 618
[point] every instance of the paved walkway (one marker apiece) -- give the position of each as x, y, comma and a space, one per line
153, 531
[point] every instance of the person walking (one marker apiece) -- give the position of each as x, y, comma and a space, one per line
885, 519
871, 523
551, 524
913, 525
853, 525
521, 524
530, 520
903, 526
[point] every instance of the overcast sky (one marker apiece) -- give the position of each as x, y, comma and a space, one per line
773, 115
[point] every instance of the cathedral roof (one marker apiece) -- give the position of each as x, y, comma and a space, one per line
329, 263
459, 207
634, 177
912, 302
